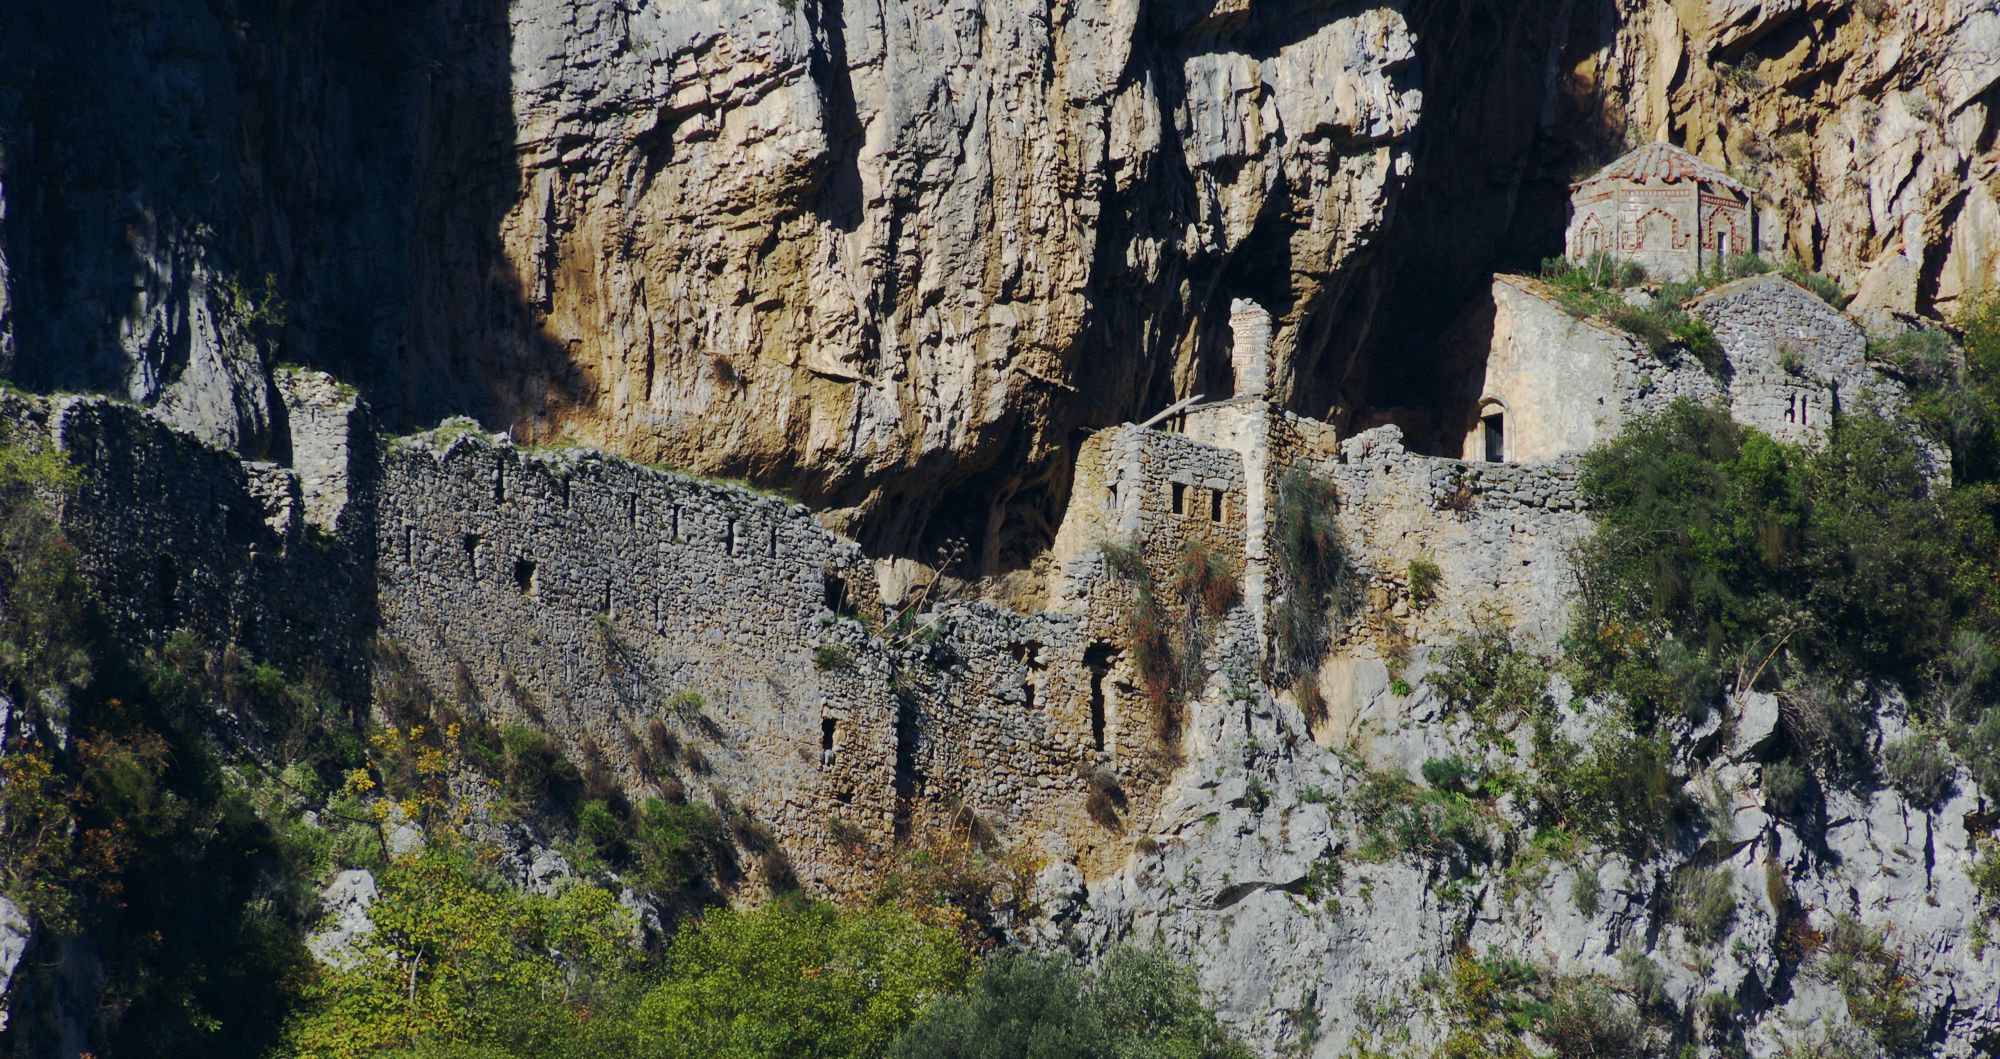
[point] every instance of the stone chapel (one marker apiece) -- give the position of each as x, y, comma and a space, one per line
1663, 208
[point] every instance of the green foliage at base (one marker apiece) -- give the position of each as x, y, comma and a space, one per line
1496, 1007
458, 960
796, 980
1137, 1005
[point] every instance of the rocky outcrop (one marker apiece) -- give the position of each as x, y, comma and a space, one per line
14, 934
1257, 873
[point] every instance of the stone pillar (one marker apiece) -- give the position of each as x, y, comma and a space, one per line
323, 419
1250, 347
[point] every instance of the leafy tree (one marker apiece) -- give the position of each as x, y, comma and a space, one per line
1138, 1005
796, 979
460, 965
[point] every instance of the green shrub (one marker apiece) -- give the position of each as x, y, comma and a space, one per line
688, 703
1487, 675
1880, 997
1920, 768
1822, 286
1208, 583
831, 656
1788, 788
461, 962
1447, 773
1704, 904
1586, 891
1156, 652
673, 841
1985, 873
537, 774
1399, 818
1425, 576
1620, 789
1137, 1004
796, 979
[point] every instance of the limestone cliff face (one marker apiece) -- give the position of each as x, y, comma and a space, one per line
862, 249
837, 243
891, 255
1868, 127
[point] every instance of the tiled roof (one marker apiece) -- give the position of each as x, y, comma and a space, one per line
1662, 163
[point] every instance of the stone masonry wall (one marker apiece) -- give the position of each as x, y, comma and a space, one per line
596, 597
1498, 532
1795, 359
175, 534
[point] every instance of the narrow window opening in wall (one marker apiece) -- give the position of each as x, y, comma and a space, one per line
610, 605
1111, 498
632, 509
1805, 410
566, 496
1098, 658
524, 576
835, 591
1722, 243
167, 579
499, 483
729, 538
1028, 653
771, 545
409, 544
1180, 498
472, 554
1495, 431
826, 732
1215, 505
1792, 408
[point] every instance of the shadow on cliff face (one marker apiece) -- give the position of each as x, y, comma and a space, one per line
340, 169
1393, 336
1505, 129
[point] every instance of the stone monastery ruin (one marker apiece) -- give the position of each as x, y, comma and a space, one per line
631, 611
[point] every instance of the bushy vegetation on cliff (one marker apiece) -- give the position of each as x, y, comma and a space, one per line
1725, 560
1598, 286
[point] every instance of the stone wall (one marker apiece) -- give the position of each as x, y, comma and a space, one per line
597, 597
1498, 532
1152, 489
327, 434
1794, 359
175, 534
590, 596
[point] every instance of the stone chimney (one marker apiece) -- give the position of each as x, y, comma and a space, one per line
1250, 347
